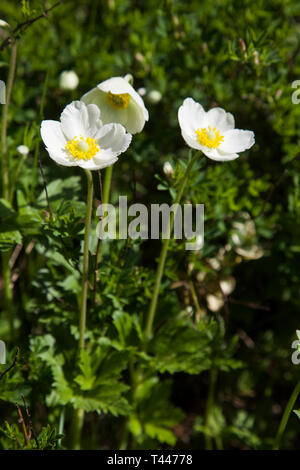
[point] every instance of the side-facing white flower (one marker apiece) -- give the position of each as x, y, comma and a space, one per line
80, 138
68, 80
119, 102
212, 132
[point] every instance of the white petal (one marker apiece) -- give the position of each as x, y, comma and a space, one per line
55, 142
59, 156
113, 138
98, 162
52, 134
215, 154
135, 118
191, 141
218, 156
94, 120
237, 140
191, 116
75, 120
217, 117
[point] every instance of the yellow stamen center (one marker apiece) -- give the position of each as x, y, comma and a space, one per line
209, 137
82, 148
118, 101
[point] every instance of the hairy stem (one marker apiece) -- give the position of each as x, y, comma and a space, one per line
98, 242
288, 409
4, 160
6, 272
163, 254
105, 199
85, 267
107, 183
76, 428
78, 415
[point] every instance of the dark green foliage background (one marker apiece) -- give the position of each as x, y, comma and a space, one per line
242, 56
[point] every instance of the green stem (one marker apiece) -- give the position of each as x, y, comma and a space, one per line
195, 297
107, 183
209, 405
4, 160
106, 191
6, 272
61, 425
8, 293
286, 415
78, 415
38, 140
76, 428
163, 254
85, 268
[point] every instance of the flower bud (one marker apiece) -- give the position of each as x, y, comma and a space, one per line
256, 57
23, 149
168, 169
142, 91
154, 96
68, 80
4, 24
242, 44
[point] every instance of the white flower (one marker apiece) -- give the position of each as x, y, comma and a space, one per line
68, 80
119, 102
80, 139
154, 96
212, 132
168, 169
23, 149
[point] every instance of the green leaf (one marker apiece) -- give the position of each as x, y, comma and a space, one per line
155, 416
297, 413
178, 346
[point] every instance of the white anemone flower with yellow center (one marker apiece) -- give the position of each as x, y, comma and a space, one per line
81, 139
119, 102
212, 132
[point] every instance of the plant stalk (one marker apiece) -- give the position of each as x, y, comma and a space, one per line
6, 272
105, 199
85, 268
4, 160
78, 414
